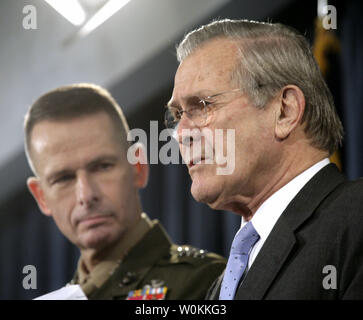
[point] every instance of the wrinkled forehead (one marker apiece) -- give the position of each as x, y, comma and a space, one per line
71, 127
85, 136
208, 67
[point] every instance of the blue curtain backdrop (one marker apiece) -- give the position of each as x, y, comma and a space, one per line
29, 238
351, 35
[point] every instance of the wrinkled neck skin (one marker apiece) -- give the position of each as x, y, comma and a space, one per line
294, 161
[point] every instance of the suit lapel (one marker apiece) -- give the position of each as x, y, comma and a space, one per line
281, 240
267, 264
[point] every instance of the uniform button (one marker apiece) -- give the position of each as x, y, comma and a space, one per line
128, 278
202, 253
181, 251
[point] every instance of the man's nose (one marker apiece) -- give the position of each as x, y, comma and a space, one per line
87, 192
187, 131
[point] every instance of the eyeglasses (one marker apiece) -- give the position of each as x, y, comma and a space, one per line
198, 112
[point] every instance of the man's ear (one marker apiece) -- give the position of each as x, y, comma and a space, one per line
36, 190
291, 110
141, 166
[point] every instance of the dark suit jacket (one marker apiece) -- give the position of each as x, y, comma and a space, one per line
322, 226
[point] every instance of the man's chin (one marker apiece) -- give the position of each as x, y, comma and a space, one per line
96, 239
204, 193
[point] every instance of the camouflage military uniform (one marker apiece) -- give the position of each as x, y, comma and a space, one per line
154, 262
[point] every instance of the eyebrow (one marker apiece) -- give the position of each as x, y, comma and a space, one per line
171, 104
111, 158
188, 99
52, 176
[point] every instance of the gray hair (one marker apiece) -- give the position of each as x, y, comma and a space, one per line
272, 56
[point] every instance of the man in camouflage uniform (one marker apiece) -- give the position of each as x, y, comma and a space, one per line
77, 148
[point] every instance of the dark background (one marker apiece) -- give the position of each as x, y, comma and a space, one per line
29, 238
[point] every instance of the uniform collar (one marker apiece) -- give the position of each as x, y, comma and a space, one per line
103, 270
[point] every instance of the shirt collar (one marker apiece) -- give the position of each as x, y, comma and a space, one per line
269, 212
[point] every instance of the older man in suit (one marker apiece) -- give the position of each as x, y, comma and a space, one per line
301, 235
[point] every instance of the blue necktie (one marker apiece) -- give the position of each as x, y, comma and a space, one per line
242, 244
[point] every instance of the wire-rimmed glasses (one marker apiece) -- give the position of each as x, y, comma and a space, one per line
196, 112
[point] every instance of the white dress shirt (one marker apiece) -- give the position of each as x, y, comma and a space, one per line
270, 211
